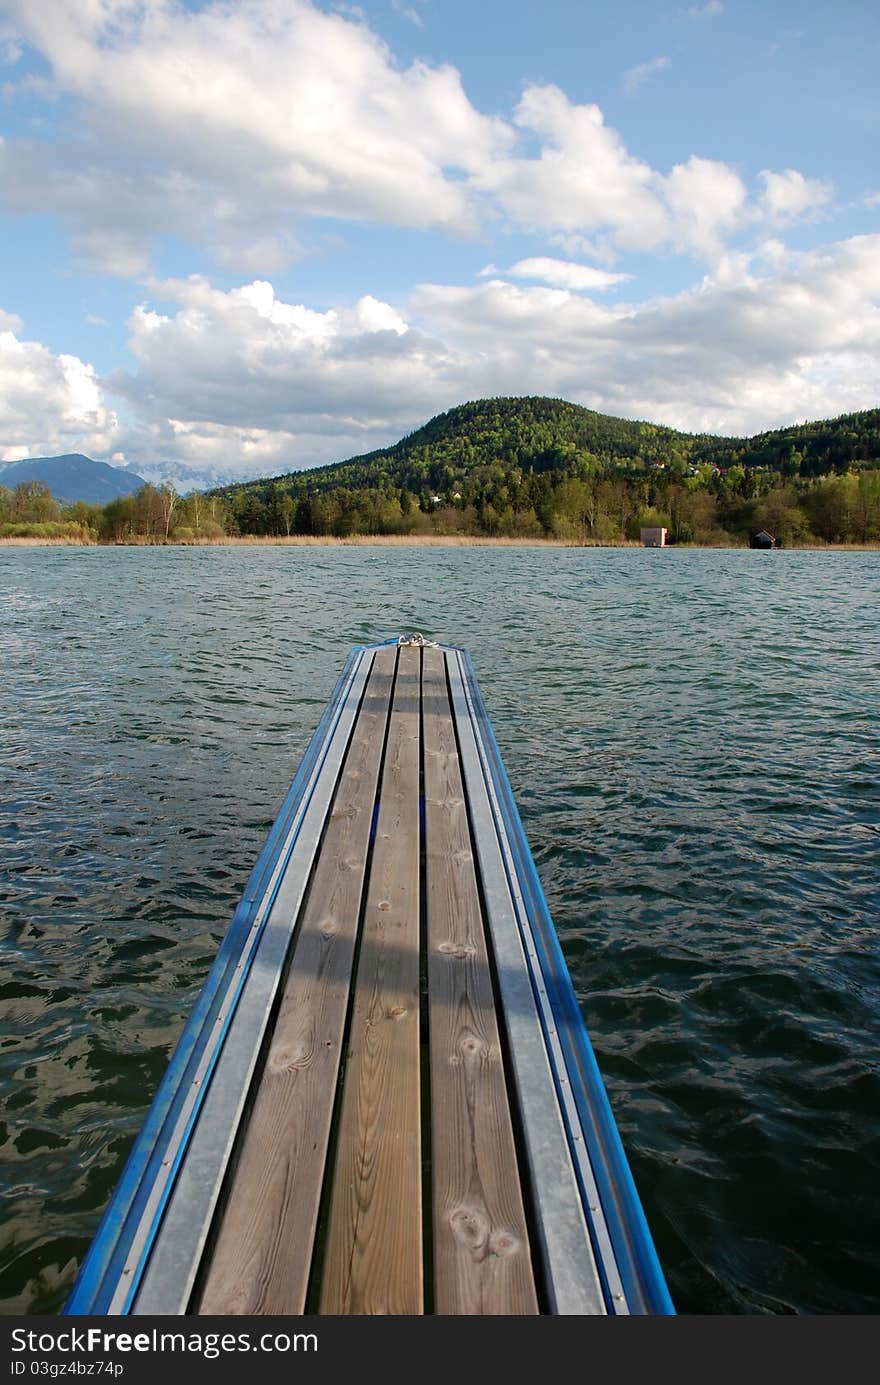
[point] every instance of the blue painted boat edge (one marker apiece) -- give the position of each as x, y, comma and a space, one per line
642, 1275
96, 1280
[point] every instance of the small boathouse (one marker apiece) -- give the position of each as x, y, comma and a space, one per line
653, 537
385, 1100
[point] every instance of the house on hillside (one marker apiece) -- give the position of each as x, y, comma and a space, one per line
653, 538
762, 540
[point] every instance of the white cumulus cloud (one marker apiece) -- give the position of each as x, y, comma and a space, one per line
770, 340
789, 196
229, 126
707, 200
215, 123
242, 382
48, 403
565, 274
584, 179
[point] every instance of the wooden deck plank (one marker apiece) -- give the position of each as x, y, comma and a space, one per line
571, 1278
482, 1261
263, 1254
373, 1253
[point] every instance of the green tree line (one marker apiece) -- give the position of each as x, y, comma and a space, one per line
523, 468
718, 509
154, 514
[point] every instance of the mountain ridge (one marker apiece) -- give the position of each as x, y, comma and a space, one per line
72, 477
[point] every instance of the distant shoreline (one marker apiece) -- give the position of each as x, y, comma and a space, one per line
416, 541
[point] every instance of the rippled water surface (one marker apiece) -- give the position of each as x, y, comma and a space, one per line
694, 741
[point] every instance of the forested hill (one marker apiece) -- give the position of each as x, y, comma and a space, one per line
539, 435
532, 434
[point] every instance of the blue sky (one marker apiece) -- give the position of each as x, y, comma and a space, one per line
242, 238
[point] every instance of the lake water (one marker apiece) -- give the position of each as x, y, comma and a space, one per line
694, 741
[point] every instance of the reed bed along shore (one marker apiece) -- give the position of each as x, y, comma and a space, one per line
412, 541
28, 542
326, 541
398, 541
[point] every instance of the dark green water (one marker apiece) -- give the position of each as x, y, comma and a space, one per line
694, 741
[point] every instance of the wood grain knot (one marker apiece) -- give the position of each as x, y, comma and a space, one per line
457, 949
384, 905
329, 928
471, 1048
292, 1057
470, 1227
473, 1231
503, 1244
